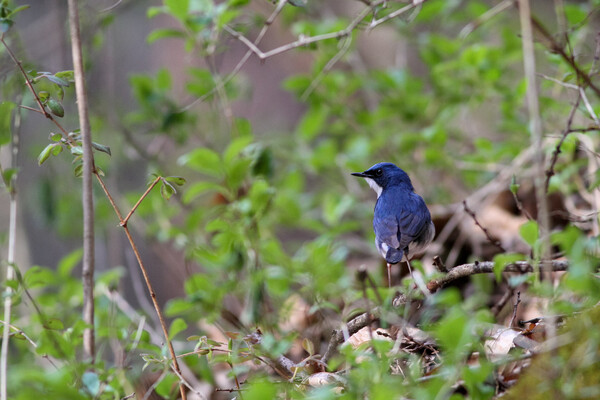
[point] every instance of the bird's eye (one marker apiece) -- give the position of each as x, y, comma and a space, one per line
378, 172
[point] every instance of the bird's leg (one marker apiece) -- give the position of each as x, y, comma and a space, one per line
409, 268
389, 271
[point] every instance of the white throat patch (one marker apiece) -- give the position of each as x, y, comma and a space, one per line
378, 189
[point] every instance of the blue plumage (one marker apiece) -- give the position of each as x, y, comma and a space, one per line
402, 222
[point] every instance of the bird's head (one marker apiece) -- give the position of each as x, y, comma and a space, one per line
383, 175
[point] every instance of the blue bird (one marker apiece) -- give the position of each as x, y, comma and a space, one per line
402, 222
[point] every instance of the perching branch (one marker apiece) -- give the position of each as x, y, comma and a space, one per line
487, 267
87, 274
460, 271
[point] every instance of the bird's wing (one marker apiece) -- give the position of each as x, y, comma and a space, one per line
403, 220
386, 230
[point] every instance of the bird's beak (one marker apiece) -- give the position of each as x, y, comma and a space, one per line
360, 174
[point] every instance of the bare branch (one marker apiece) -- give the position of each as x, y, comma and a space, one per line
487, 267
485, 231
306, 40
87, 193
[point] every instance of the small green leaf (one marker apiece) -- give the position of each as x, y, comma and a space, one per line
177, 180
46, 153
178, 325
178, 8
203, 160
67, 76
8, 174
102, 148
164, 33
55, 137
57, 80
77, 150
17, 10
529, 232
54, 324
44, 96
56, 108
502, 260
167, 190
56, 150
514, 186
78, 171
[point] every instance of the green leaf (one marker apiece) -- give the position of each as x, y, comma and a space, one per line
77, 150
102, 148
67, 76
55, 137
529, 232
178, 325
178, 8
54, 324
167, 190
312, 122
6, 108
44, 96
78, 170
502, 260
57, 80
199, 188
177, 180
17, 10
164, 33
57, 149
68, 262
203, 160
37, 276
46, 153
8, 174
514, 186
56, 108
235, 148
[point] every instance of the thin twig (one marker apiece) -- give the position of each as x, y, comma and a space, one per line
124, 221
12, 243
305, 40
87, 274
569, 59
489, 237
161, 318
515, 306
27, 81
497, 308
557, 150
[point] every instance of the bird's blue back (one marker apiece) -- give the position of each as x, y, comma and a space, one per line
400, 217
